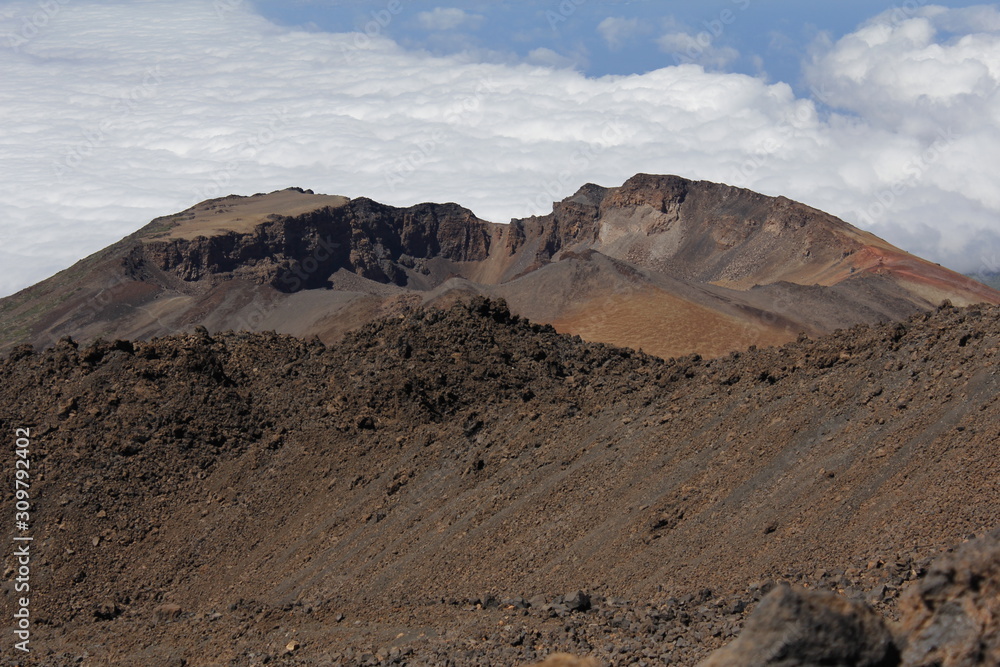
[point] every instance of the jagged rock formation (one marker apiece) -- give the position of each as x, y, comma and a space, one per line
374, 241
662, 264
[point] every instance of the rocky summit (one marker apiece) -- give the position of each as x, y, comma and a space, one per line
661, 264
462, 486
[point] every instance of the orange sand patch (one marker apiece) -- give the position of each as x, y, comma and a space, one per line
666, 326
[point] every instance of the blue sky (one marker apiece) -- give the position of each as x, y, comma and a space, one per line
117, 111
772, 37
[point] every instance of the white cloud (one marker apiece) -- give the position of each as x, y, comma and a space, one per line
928, 80
963, 20
887, 68
616, 31
549, 58
115, 114
448, 18
697, 49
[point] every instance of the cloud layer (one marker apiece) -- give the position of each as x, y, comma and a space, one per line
448, 18
117, 113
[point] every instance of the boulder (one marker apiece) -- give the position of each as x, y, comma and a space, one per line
577, 601
794, 627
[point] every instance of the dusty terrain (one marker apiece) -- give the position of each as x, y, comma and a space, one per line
660, 263
437, 487
241, 215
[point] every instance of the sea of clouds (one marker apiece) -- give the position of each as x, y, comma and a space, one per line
115, 113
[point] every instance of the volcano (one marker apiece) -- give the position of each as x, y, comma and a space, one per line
662, 264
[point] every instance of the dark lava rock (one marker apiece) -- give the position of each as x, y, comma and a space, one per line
250, 458
577, 601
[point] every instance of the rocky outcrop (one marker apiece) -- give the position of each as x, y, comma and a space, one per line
659, 192
375, 241
950, 618
660, 264
687, 229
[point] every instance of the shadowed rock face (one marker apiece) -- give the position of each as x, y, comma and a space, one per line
294, 253
660, 263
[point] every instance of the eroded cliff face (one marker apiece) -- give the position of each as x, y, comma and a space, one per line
688, 230
708, 232
665, 223
378, 242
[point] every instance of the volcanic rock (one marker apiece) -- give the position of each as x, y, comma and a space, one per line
567, 660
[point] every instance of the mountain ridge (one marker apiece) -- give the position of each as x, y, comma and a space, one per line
612, 263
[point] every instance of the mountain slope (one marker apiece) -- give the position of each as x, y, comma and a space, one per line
661, 263
266, 485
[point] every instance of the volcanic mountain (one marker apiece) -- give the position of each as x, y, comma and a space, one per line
662, 264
